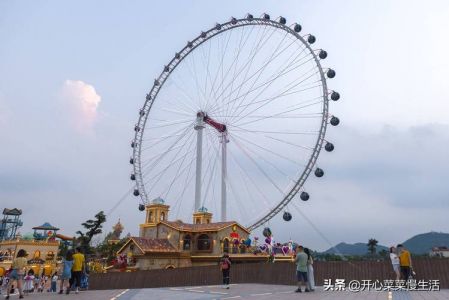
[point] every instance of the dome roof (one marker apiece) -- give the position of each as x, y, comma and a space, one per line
202, 209
158, 200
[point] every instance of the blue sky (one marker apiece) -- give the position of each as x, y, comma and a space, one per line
62, 162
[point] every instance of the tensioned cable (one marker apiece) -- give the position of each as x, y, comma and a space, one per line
274, 77
267, 150
164, 154
236, 56
242, 173
260, 71
267, 84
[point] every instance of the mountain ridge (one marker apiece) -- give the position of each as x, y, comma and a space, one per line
418, 244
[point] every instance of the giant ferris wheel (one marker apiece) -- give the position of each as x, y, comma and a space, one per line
235, 122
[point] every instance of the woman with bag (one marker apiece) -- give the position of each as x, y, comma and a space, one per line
225, 266
17, 272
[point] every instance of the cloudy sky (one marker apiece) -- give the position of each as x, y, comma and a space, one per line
74, 75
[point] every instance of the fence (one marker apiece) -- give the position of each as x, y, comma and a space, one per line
266, 273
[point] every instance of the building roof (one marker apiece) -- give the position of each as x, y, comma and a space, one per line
12, 212
158, 200
46, 226
148, 245
201, 227
202, 209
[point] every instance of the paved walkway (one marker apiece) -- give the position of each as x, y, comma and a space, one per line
238, 292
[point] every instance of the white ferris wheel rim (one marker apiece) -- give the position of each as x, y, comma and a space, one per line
178, 59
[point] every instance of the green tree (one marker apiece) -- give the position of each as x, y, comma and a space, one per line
93, 227
372, 244
383, 253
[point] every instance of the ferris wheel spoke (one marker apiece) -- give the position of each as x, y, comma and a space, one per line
160, 174
274, 98
259, 167
182, 108
234, 63
265, 85
273, 78
261, 70
287, 111
267, 150
274, 166
220, 67
289, 143
212, 90
148, 168
241, 208
208, 169
178, 174
164, 137
213, 157
244, 175
238, 128
175, 81
173, 123
194, 74
291, 116
252, 55
179, 132
164, 153
305, 86
297, 82
187, 183
208, 75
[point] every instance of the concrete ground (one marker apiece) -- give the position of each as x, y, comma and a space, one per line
238, 291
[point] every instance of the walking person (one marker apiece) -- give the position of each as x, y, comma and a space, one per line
225, 266
395, 262
29, 279
66, 273
310, 275
54, 282
78, 268
405, 262
301, 269
17, 272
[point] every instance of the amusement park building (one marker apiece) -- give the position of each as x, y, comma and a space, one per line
173, 244
42, 250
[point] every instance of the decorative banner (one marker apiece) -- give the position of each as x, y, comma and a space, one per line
234, 235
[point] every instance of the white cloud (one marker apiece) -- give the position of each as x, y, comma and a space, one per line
82, 101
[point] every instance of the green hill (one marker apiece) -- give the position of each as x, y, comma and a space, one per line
419, 244
352, 249
422, 243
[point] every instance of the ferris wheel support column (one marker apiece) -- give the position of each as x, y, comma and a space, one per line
199, 126
224, 141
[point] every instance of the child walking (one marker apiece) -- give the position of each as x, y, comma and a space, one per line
66, 272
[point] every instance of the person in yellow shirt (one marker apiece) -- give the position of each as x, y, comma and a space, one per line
405, 262
17, 272
78, 267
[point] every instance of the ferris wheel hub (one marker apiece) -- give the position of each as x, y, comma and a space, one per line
202, 118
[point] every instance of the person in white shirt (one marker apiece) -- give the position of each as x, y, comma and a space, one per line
395, 262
